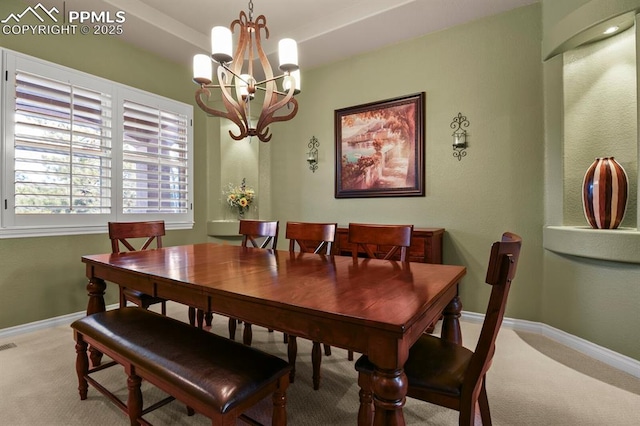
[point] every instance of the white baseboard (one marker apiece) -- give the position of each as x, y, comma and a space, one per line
609, 357
43, 324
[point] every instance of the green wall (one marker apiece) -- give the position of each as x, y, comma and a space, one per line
43, 277
489, 70
593, 299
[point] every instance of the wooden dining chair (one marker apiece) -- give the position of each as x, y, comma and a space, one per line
127, 234
379, 242
446, 374
259, 234
318, 238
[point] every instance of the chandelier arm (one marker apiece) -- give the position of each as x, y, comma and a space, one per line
201, 103
262, 129
278, 77
234, 118
267, 116
236, 110
292, 113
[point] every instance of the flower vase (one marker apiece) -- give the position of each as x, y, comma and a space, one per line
604, 193
240, 214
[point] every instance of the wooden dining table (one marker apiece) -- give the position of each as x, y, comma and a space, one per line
375, 307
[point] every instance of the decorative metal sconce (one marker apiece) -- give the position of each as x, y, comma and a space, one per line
459, 136
312, 155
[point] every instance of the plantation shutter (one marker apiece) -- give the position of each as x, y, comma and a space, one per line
155, 160
62, 148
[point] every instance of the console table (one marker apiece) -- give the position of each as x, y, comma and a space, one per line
426, 244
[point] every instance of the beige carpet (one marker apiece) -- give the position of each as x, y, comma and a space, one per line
533, 381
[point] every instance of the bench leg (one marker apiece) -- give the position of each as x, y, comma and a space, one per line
279, 417
292, 352
134, 402
366, 410
82, 366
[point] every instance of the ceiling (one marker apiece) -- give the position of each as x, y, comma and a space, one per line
326, 30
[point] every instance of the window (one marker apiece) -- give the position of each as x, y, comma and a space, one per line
79, 151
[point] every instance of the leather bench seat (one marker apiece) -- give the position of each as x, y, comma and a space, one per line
211, 374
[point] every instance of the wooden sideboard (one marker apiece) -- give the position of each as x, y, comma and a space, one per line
426, 244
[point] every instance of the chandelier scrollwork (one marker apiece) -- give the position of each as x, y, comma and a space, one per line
238, 88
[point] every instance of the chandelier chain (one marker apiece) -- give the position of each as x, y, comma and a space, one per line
250, 10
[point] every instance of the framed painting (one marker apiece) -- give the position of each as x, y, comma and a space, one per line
380, 148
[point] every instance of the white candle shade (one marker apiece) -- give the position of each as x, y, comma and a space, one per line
288, 54
221, 44
286, 82
202, 69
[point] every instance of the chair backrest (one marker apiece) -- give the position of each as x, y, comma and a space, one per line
124, 232
500, 273
387, 240
311, 237
251, 230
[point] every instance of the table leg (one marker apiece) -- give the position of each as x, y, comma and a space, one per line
451, 321
389, 395
95, 288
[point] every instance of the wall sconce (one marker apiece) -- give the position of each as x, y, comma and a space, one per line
459, 136
312, 155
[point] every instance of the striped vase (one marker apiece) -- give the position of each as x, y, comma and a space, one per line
604, 193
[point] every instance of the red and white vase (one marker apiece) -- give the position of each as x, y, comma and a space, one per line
604, 193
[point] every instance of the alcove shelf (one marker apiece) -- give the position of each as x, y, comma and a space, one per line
616, 245
222, 228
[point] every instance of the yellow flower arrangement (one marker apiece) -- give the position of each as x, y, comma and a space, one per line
240, 197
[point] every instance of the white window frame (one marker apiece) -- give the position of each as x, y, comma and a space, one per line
15, 226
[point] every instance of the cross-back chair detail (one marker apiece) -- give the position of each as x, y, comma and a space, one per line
380, 241
252, 231
311, 237
128, 234
317, 238
447, 374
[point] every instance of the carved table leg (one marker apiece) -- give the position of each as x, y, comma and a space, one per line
451, 321
95, 288
389, 395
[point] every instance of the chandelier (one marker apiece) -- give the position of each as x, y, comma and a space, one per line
238, 84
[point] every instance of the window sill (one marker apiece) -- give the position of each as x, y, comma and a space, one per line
615, 245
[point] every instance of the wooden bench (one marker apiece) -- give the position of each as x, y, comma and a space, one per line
212, 375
